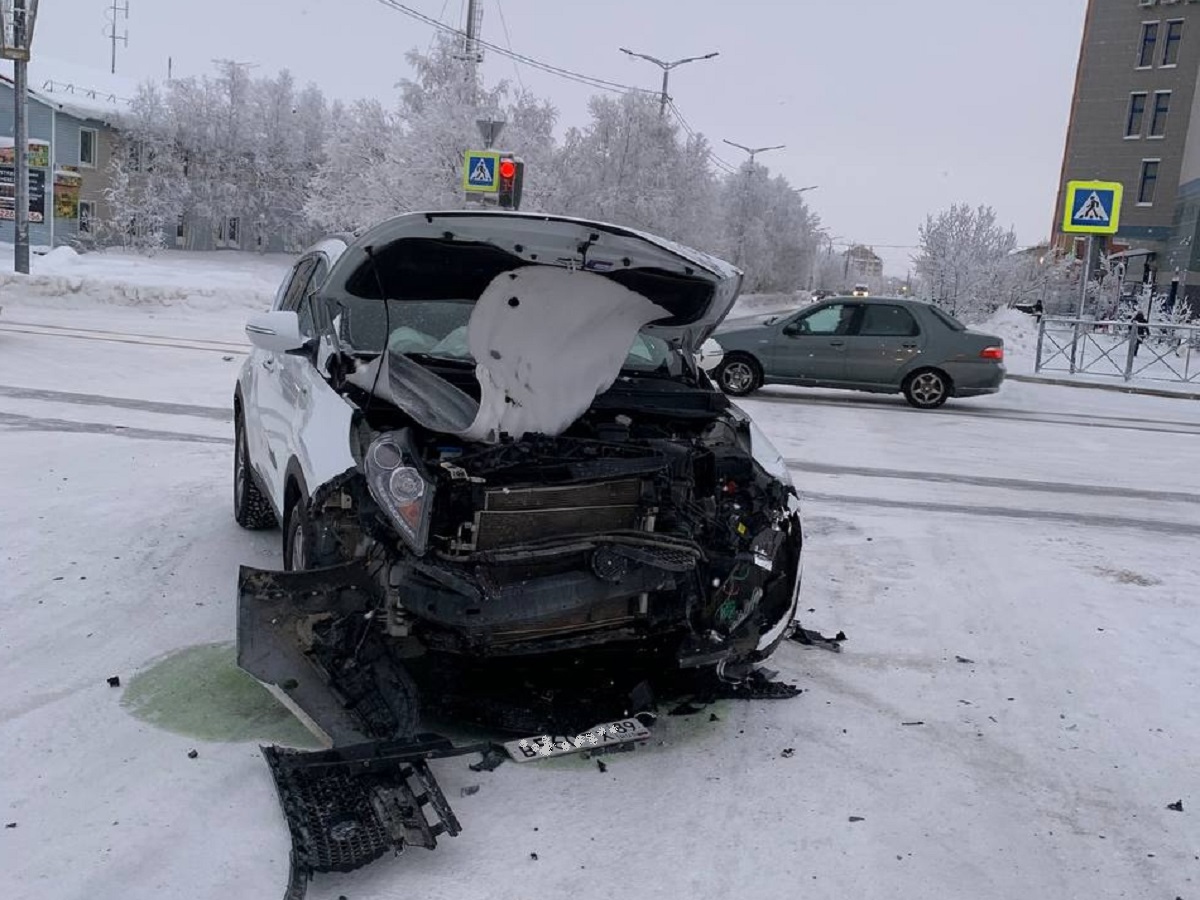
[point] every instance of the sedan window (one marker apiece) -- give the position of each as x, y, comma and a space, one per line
834, 319
880, 320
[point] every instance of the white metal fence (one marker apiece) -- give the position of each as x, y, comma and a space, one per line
1156, 350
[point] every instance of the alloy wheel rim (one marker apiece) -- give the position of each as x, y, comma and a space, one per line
298, 561
738, 376
927, 388
239, 467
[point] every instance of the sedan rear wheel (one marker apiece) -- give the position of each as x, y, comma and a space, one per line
927, 389
739, 374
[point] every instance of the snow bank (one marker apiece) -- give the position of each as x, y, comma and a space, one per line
1019, 331
204, 282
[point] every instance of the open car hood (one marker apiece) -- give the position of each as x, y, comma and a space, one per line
558, 304
695, 290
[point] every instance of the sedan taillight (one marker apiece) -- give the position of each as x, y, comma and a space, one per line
996, 353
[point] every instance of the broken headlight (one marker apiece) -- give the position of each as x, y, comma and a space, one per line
400, 489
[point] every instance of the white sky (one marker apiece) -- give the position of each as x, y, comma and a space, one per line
894, 109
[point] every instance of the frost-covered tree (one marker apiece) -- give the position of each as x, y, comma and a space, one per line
768, 230
148, 190
213, 148
964, 259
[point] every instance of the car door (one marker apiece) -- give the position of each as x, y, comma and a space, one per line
275, 405
811, 347
883, 344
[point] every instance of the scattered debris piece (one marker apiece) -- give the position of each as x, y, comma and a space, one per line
811, 638
468, 790
227, 358
713, 717
114, 681
788, 752
533, 856
1177, 806
857, 819
912, 723
10, 825
489, 761
601, 766
963, 659
192, 754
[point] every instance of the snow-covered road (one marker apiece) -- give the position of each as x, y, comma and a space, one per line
1046, 537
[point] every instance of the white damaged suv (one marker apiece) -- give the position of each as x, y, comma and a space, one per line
486, 435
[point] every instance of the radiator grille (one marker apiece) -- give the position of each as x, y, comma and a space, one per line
519, 515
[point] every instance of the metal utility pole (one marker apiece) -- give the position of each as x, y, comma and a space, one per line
17, 18
474, 26
754, 151
667, 67
111, 32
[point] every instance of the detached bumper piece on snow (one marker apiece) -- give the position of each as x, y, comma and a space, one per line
349, 806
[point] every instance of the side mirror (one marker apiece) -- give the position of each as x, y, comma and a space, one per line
710, 355
791, 329
277, 331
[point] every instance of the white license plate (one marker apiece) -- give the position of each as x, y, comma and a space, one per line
546, 746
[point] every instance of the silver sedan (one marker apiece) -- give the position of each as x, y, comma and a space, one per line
877, 344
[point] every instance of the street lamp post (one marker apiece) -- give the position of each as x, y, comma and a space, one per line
666, 70
754, 151
17, 18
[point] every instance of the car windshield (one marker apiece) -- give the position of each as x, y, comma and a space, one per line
437, 329
948, 320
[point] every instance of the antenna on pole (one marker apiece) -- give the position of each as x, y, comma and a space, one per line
116, 11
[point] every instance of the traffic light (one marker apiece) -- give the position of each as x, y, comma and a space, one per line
511, 172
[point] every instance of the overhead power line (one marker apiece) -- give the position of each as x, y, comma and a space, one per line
589, 80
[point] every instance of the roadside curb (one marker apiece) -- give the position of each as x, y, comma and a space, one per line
1114, 388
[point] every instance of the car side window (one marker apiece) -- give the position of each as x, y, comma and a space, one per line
829, 320
880, 320
298, 286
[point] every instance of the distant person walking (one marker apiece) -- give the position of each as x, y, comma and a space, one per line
1140, 332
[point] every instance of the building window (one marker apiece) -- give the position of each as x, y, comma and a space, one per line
1171, 39
1148, 182
1162, 106
85, 217
1137, 112
234, 228
87, 147
179, 229
1149, 40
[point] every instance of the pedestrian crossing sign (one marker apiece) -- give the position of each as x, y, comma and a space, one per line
481, 171
1092, 207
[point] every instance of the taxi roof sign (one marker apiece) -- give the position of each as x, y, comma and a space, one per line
1092, 207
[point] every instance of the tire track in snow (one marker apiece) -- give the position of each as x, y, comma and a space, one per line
993, 415
1013, 484
1003, 512
157, 406
120, 337
14, 422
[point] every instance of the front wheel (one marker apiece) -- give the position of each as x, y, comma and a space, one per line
251, 509
927, 389
739, 374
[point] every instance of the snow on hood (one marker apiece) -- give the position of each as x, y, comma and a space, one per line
545, 340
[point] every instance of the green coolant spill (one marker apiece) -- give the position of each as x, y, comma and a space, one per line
200, 692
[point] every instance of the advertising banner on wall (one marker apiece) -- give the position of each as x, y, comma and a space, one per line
8, 194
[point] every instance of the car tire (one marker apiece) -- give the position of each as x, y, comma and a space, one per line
739, 374
251, 509
297, 547
927, 388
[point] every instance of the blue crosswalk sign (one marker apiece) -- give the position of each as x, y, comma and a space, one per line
1092, 207
480, 171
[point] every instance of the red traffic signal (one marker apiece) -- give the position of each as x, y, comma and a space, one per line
508, 168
